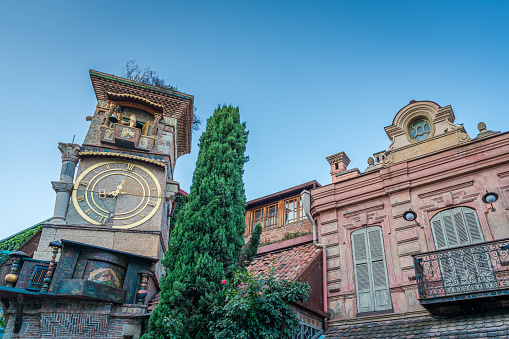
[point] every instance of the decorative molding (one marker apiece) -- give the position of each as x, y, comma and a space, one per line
457, 198
446, 189
121, 155
169, 121
103, 104
399, 203
69, 152
135, 97
503, 174
62, 186
349, 214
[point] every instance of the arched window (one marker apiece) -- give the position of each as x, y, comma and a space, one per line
456, 227
371, 280
467, 269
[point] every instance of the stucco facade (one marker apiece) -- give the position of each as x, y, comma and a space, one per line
445, 170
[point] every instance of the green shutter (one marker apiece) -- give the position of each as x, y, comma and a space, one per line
371, 279
438, 232
450, 230
365, 300
474, 229
461, 228
380, 278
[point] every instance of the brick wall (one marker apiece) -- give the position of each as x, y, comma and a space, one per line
74, 320
277, 234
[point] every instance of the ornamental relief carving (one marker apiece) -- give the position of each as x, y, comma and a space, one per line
69, 151
62, 186
364, 217
448, 199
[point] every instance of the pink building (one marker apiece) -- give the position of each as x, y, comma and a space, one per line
421, 233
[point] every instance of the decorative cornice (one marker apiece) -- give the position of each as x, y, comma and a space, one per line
121, 155
134, 97
69, 152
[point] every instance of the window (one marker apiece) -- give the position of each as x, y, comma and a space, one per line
472, 270
256, 217
371, 279
37, 279
293, 210
271, 216
420, 129
456, 227
277, 214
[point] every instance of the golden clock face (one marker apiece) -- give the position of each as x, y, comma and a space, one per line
123, 193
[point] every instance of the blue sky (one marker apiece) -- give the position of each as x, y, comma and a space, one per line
311, 78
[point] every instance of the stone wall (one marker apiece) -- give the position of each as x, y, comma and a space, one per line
277, 234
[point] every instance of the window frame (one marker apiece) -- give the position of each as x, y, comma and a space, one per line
279, 217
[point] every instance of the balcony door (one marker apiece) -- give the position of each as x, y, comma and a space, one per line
464, 269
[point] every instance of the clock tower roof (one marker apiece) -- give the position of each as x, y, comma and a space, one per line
155, 100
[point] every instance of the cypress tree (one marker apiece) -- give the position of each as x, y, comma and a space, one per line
251, 248
208, 235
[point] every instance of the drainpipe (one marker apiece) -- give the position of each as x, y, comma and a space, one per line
305, 198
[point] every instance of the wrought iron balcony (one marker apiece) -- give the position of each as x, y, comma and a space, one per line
463, 273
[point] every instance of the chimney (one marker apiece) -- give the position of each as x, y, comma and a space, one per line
338, 163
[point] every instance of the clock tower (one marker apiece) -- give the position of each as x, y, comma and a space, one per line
121, 198
97, 263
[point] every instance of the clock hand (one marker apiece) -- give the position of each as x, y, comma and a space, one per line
119, 187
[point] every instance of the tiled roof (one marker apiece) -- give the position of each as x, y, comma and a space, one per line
153, 302
494, 325
289, 262
175, 104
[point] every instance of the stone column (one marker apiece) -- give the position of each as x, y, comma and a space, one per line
64, 186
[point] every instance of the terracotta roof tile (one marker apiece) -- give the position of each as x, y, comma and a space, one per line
153, 302
289, 262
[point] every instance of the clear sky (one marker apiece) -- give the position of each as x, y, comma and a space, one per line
311, 78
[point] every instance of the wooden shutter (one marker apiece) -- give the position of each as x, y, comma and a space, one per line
474, 229
365, 302
438, 232
461, 228
450, 230
371, 280
380, 279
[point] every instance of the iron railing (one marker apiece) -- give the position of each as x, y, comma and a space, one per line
461, 270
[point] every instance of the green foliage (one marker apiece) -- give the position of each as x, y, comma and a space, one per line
179, 203
209, 231
249, 250
133, 71
286, 236
172, 328
2, 320
14, 243
258, 307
